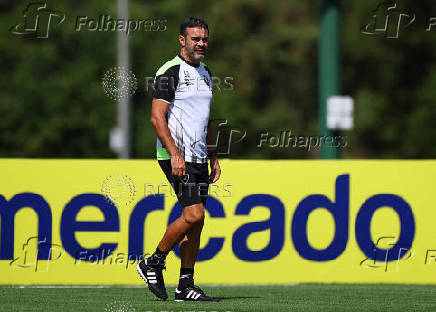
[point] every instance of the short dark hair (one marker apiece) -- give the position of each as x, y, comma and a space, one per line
192, 22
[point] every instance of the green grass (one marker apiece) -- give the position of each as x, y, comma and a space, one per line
306, 297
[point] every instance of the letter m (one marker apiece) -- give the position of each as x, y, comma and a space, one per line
8, 210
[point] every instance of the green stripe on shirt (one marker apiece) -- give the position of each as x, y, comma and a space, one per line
162, 154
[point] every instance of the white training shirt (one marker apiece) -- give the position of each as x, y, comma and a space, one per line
187, 88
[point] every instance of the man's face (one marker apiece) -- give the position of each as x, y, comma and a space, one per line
195, 42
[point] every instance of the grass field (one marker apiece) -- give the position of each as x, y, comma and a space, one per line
305, 297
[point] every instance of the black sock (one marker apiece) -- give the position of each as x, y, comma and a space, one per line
186, 278
158, 256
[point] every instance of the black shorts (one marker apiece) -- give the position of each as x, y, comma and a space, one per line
192, 189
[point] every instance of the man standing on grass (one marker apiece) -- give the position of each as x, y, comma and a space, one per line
180, 116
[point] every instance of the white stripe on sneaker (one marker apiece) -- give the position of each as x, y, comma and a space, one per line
196, 296
151, 273
152, 281
189, 294
138, 268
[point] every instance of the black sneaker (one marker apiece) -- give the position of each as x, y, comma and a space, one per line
151, 272
192, 293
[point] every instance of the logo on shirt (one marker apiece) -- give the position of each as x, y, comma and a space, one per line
188, 80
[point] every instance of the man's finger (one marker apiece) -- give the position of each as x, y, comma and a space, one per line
217, 175
176, 172
215, 178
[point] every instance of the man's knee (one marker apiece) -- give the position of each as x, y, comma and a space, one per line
194, 214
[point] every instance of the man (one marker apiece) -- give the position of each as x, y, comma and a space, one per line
180, 116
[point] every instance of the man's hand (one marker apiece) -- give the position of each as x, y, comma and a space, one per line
178, 166
215, 169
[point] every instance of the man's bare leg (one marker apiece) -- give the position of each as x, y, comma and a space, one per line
190, 245
186, 230
188, 224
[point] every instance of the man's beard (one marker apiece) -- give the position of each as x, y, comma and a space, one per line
195, 57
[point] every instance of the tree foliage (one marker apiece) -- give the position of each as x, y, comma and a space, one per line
52, 102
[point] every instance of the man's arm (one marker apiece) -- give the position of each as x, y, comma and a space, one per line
158, 112
212, 152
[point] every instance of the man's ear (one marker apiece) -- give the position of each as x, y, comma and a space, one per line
182, 40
